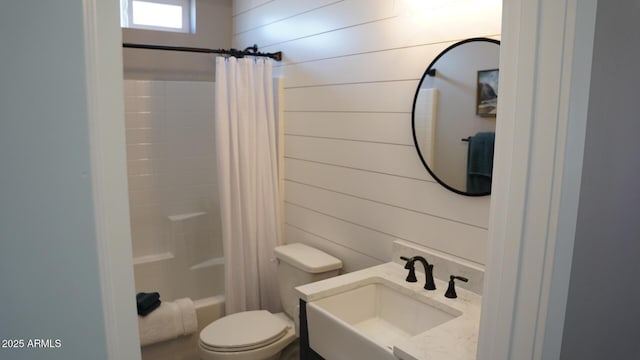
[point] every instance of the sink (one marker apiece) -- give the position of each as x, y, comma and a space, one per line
366, 322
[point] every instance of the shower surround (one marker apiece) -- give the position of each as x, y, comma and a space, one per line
175, 221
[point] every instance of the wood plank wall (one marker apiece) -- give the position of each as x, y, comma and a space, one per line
353, 180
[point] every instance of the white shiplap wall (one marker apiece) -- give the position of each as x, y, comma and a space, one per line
353, 180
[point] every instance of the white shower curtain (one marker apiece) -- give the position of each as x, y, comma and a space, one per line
248, 182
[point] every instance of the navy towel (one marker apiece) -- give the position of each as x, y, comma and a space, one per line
147, 302
480, 162
149, 309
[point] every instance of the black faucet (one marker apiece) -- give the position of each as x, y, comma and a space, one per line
428, 271
451, 290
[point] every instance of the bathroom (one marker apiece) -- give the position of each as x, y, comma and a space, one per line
333, 201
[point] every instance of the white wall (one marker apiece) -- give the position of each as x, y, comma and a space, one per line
213, 31
354, 182
602, 308
49, 260
173, 190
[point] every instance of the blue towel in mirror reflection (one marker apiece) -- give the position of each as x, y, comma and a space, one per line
480, 162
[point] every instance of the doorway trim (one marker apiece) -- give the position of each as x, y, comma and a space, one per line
545, 71
105, 107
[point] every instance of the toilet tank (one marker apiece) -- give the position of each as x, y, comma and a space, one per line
299, 264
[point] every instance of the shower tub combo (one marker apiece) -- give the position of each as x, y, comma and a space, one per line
175, 220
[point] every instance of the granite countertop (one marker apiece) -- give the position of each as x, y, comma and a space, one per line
456, 339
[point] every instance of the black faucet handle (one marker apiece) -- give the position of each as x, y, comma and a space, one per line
408, 263
411, 277
451, 290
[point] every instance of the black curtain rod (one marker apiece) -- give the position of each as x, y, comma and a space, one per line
250, 51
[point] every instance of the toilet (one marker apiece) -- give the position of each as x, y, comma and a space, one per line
259, 334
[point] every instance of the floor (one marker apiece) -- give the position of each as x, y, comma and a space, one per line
291, 352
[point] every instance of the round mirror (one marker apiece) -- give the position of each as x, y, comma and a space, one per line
454, 116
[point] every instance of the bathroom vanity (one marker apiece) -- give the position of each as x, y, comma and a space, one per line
375, 314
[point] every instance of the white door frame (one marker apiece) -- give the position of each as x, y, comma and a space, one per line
545, 71
105, 103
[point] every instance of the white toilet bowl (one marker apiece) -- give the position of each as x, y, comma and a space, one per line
250, 335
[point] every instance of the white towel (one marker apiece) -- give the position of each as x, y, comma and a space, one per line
170, 320
189, 318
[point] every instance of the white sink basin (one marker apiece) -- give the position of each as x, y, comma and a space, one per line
366, 322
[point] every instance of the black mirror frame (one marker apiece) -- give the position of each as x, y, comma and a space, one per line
431, 71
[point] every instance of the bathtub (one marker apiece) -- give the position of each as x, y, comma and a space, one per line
174, 211
175, 278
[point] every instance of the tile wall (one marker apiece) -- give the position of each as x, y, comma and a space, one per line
172, 186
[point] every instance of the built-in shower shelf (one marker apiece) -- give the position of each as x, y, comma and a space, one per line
182, 217
207, 263
152, 258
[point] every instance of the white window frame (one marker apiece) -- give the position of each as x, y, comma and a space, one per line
188, 15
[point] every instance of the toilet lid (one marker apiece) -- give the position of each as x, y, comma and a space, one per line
243, 331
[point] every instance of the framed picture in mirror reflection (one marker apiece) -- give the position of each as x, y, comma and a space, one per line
487, 93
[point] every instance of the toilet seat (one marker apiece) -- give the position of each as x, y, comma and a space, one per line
243, 331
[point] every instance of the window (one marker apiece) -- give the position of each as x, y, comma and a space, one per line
165, 15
